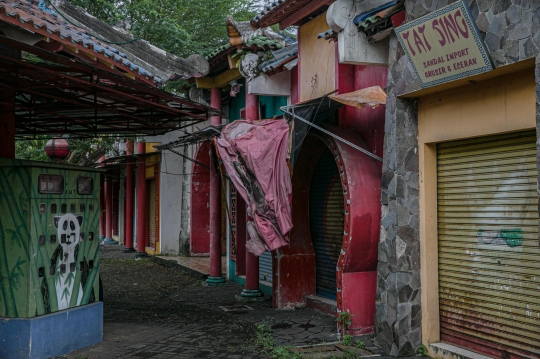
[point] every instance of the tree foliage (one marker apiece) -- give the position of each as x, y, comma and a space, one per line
83, 152
181, 27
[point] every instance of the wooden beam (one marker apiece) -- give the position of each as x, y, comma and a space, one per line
233, 62
224, 78
220, 81
303, 12
205, 82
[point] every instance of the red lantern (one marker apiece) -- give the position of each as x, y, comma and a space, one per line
57, 148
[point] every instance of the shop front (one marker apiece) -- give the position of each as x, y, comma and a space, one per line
478, 189
459, 246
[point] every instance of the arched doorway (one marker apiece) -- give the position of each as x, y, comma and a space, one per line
336, 205
200, 202
326, 222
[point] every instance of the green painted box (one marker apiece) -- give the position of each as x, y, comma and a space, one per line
49, 245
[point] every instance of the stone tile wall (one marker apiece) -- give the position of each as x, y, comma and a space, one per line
511, 29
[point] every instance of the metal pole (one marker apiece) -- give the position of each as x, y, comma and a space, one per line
286, 110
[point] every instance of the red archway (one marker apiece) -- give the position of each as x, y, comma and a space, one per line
356, 269
200, 209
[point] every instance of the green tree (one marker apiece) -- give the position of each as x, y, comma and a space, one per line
83, 151
181, 27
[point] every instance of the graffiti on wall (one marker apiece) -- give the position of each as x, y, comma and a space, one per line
506, 239
49, 260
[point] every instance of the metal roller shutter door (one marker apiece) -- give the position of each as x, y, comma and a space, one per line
265, 266
489, 256
326, 222
152, 225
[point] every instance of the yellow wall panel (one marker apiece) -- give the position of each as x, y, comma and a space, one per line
317, 60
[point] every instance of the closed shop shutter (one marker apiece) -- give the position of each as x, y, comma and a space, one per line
326, 222
489, 257
265, 266
152, 222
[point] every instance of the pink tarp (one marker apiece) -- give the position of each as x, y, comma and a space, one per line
255, 157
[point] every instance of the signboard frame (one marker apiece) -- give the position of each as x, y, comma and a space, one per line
471, 24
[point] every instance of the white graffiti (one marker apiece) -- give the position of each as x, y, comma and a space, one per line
69, 233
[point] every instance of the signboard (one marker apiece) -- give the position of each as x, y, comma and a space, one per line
444, 45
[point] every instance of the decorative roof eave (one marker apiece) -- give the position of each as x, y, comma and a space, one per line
241, 32
287, 12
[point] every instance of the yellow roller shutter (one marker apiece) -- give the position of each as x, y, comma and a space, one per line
152, 220
489, 255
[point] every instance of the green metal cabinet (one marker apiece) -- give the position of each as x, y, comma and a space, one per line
49, 245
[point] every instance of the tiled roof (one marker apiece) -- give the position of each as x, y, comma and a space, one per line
217, 51
278, 10
28, 15
241, 32
327, 35
377, 24
283, 59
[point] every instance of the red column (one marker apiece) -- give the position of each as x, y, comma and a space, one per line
141, 200
252, 107
102, 205
114, 218
215, 102
128, 212
251, 292
7, 124
240, 235
108, 211
215, 277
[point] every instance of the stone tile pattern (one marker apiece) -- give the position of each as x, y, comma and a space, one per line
511, 29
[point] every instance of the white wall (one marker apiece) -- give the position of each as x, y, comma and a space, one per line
170, 192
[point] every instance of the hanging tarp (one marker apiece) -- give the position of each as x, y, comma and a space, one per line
254, 155
314, 111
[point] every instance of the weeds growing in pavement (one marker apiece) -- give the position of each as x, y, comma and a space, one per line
344, 319
265, 341
422, 350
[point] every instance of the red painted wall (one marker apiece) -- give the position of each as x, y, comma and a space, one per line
241, 235
200, 209
295, 264
369, 122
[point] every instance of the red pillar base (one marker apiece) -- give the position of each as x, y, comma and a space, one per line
140, 254
250, 295
215, 281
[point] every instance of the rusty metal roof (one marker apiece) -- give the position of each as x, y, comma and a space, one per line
61, 36
57, 94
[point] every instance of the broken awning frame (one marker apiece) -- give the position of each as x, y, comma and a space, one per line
372, 96
206, 134
58, 94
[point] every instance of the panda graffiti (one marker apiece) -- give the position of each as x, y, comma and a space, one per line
64, 259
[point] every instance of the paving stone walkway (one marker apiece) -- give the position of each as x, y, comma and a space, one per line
208, 322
